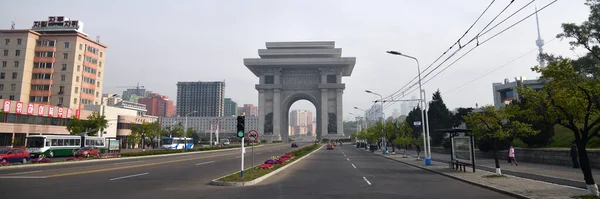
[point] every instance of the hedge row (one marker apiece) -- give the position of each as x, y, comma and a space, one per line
160, 152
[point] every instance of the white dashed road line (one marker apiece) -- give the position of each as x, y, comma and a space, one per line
26, 172
129, 176
204, 163
353, 166
367, 181
347, 159
127, 162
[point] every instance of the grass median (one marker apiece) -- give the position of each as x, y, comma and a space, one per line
253, 173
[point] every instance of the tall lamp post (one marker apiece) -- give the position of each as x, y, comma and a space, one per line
383, 144
185, 128
425, 136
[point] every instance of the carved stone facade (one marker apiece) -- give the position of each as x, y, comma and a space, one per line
292, 71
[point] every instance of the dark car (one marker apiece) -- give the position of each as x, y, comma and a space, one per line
14, 155
294, 145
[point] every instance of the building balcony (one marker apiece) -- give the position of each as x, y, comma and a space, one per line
92, 55
45, 48
90, 65
44, 59
43, 70
88, 75
40, 93
86, 96
41, 81
88, 85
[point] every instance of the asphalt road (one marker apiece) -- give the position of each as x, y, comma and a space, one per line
154, 177
345, 172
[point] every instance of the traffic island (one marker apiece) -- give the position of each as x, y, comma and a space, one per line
256, 174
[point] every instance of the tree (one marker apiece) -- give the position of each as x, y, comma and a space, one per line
457, 119
571, 100
439, 118
403, 135
147, 130
96, 123
545, 127
412, 117
173, 131
497, 125
76, 126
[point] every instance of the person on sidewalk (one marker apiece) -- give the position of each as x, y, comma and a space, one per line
511, 156
574, 155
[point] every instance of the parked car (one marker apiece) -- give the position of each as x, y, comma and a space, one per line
14, 155
294, 145
87, 152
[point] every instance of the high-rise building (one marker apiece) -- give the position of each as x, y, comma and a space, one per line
206, 98
231, 108
110, 99
158, 105
301, 122
248, 109
53, 63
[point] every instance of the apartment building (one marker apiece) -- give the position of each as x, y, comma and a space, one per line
201, 99
53, 63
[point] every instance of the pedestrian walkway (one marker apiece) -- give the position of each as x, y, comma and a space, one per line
512, 185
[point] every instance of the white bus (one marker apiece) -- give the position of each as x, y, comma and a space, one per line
177, 143
61, 145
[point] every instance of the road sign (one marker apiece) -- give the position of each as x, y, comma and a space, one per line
252, 135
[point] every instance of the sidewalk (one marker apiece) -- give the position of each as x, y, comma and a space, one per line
511, 185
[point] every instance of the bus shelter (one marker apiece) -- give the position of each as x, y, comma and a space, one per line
462, 152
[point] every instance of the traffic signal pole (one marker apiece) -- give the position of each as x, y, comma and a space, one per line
241, 134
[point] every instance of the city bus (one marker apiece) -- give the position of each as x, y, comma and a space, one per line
177, 143
61, 145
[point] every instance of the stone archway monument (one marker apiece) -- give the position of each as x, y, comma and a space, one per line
292, 71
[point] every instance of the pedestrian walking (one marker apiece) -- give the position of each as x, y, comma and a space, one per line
511, 156
574, 155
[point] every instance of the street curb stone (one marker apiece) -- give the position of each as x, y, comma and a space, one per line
259, 179
113, 159
463, 180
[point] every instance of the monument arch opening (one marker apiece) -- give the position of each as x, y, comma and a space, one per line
292, 71
301, 119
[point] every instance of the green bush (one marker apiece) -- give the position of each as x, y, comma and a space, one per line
160, 152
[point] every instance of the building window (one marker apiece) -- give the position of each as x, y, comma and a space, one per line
45, 43
5, 52
2, 75
4, 64
66, 46
78, 68
16, 64
101, 54
79, 57
14, 75
76, 90
60, 100
74, 100
6, 41
41, 76
98, 84
97, 94
62, 78
99, 74
44, 54
100, 64
269, 79
80, 48
1, 87
64, 67
61, 89
331, 79
66, 55
17, 53
19, 41
77, 79
11, 97
13, 87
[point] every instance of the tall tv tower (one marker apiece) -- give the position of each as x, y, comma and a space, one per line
539, 42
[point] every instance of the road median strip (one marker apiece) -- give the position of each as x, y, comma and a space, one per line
255, 175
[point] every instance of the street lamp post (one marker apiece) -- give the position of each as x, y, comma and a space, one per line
185, 128
383, 144
427, 161
428, 147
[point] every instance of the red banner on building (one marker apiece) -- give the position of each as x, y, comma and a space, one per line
69, 113
60, 112
6, 106
77, 113
30, 109
50, 111
19, 109
40, 110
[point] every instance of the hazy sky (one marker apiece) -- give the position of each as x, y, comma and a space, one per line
158, 43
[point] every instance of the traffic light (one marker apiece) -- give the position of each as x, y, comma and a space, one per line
240, 126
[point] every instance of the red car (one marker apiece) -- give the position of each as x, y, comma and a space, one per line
329, 146
14, 155
87, 152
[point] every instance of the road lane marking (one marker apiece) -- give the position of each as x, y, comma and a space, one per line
130, 176
353, 166
347, 159
204, 163
367, 181
118, 163
344, 155
22, 177
26, 172
238, 157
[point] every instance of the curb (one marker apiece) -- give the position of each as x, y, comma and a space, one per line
114, 159
463, 180
259, 179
